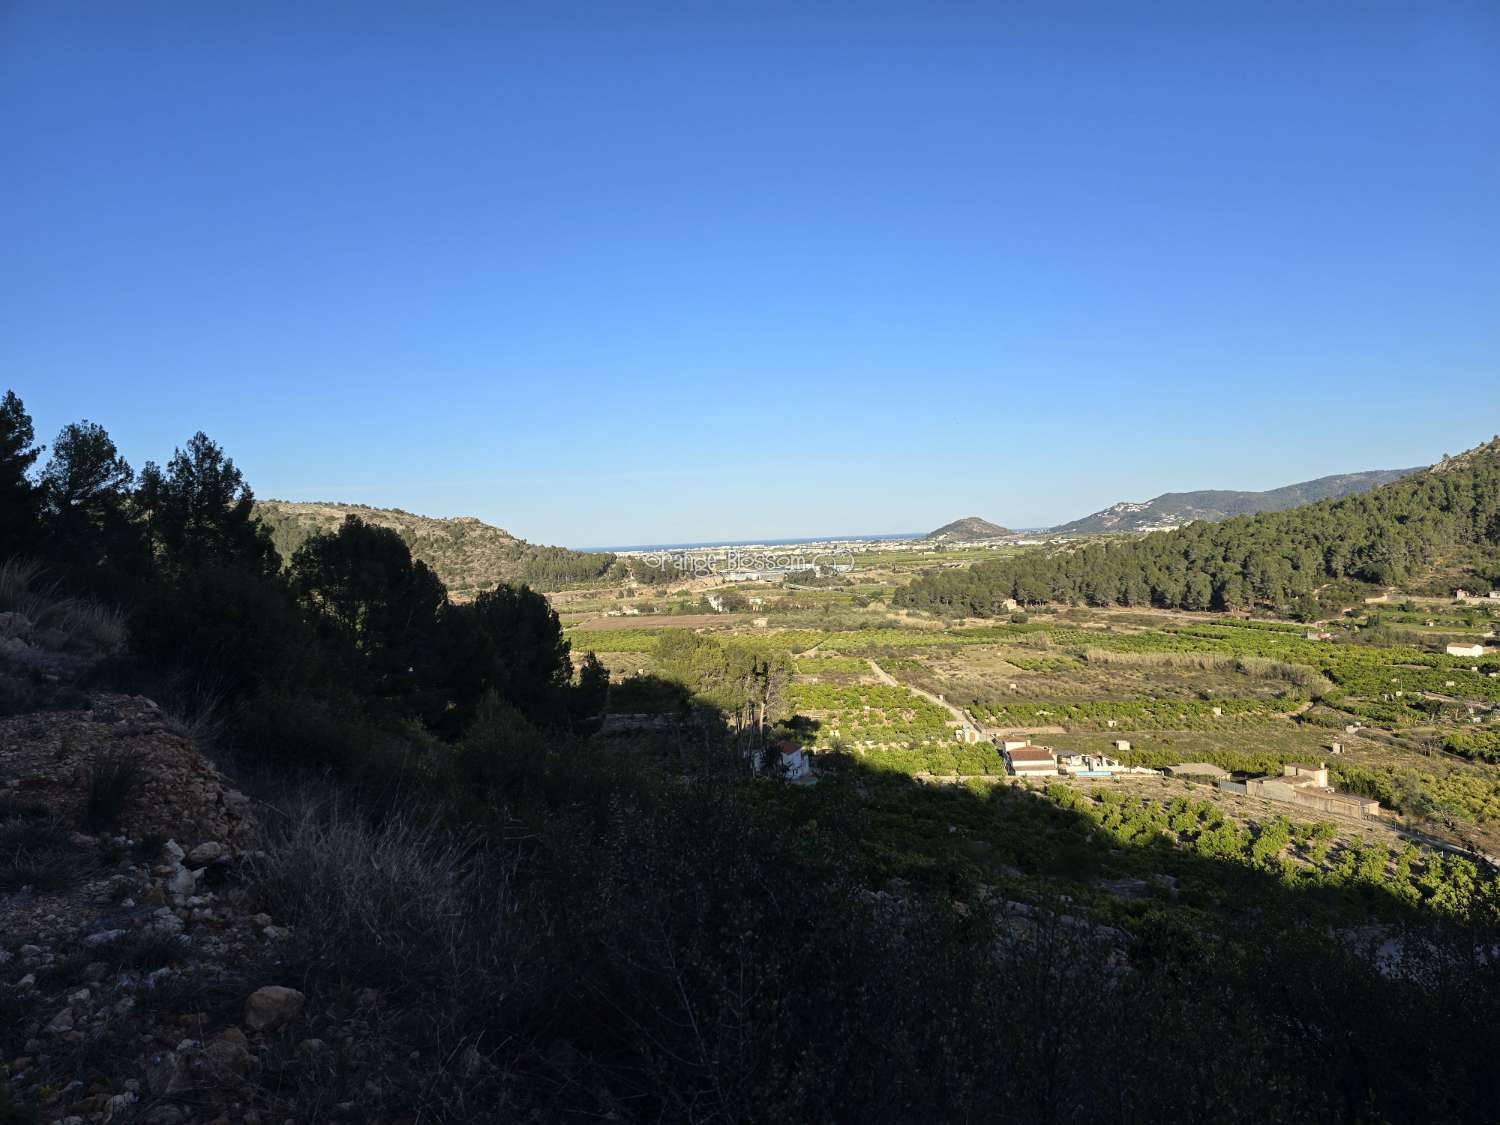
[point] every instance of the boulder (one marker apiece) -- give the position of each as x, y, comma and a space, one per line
209, 852
229, 1057
272, 1006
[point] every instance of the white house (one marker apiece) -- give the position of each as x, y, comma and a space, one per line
1465, 650
1026, 760
795, 764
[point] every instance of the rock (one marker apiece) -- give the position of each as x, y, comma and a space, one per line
61, 1022
165, 921
165, 1115
79, 997
310, 1047
184, 881
206, 853
117, 1103
229, 1057
272, 1006
95, 971
261, 921
103, 937
28, 981
167, 1073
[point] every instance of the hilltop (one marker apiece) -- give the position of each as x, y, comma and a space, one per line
1173, 509
967, 530
466, 553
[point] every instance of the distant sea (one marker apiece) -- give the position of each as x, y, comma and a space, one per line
772, 542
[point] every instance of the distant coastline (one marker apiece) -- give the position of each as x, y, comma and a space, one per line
790, 541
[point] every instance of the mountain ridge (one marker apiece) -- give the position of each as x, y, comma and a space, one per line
1174, 509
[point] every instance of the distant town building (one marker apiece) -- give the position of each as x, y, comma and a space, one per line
1025, 760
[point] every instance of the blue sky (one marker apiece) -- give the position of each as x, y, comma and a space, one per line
615, 273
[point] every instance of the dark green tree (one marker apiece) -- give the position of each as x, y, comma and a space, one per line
218, 634
591, 693
18, 499
200, 511
509, 641
90, 534
370, 599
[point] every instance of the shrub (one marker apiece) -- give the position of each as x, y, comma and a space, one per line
70, 624
39, 855
13, 1112
111, 783
403, 907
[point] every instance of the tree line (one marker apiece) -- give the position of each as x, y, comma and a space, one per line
1274, 560
350, 622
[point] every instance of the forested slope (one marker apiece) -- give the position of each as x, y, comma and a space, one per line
1275, 559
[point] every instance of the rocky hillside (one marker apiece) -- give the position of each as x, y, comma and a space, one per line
967, 530
1489, 451
123, 918
466, 553
1173, 509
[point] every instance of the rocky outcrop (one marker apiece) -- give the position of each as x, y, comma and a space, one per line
128, 956
47, 758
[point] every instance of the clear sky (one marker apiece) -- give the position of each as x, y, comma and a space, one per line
628, 272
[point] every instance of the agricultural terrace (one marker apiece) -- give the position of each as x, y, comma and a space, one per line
1419, 730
